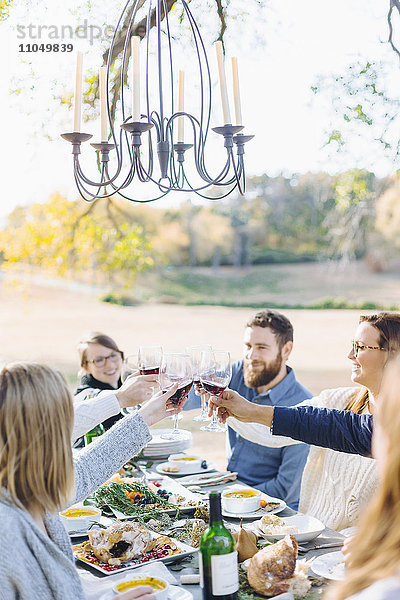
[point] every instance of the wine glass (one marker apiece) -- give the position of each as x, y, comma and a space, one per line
176, 368
215, 375
149, 360
129, 367
195, 356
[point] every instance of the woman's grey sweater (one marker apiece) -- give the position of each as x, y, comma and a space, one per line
34, 566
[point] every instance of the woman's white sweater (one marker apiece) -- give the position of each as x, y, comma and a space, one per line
335, 486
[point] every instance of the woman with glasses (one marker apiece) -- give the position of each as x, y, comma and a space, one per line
335, 486
101, 365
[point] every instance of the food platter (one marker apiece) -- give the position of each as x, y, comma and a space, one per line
211, 466
259, 512
330, 566
83, 555
191, 499
309, 528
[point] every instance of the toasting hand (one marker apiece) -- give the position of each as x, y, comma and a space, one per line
232, 404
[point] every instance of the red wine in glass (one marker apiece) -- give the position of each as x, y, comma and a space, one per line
176, 369
180, 393
149, 370
213, 388
215, 374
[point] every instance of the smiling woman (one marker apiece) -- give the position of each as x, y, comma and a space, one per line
336, 486
101, 366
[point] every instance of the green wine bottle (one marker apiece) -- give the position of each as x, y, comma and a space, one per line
94, 433
219, 574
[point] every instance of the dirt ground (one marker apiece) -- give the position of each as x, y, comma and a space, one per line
44, 324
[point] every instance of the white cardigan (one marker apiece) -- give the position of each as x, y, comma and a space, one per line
335, 486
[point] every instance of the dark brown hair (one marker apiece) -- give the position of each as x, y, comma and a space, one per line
95, 337
274, 320
388, 326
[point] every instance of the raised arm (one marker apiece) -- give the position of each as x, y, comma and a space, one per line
340, 430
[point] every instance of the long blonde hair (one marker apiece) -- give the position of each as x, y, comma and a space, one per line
36, 420
375, 551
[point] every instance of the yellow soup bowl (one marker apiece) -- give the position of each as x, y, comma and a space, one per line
78, 518
240, 500
160, 586
186, 463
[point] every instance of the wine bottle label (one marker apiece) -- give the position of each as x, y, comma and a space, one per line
201, 571
224, 574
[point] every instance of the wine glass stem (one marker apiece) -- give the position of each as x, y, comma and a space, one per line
204, 405
176, 423
214, 417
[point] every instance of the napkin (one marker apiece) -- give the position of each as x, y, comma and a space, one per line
207, 478
93, 586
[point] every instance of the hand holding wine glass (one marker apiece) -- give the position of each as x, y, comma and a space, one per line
176, 369
215, 375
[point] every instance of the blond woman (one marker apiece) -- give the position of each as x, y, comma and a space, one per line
38, 477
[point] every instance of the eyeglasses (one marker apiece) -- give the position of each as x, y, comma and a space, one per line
101, 360
356, 347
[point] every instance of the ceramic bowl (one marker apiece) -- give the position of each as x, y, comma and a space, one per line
79, 518
186, 463
159, 585
240, 500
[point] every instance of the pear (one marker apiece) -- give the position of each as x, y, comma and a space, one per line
246, 544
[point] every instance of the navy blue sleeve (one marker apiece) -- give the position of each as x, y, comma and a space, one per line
340, 430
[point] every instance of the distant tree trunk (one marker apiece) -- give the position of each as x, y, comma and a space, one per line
216, 260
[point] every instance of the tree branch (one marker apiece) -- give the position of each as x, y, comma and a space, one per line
140, 29
222, 17
393, 4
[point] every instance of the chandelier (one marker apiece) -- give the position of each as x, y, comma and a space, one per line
153, 119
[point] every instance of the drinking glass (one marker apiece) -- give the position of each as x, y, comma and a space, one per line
176, 368
195, 356
215, 375
129, 367
149, 360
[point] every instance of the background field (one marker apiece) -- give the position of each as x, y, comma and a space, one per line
43, 323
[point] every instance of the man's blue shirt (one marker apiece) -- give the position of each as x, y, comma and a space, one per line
275, 471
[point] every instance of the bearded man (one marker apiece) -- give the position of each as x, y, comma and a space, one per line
264, 378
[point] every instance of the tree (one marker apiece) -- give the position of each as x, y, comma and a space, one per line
352, 218
57, 237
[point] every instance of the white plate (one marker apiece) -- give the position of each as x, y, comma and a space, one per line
103, 521
186, 551
175, 487
211, 466
330, 566
159, 444
257, 513
175, 593
309, 528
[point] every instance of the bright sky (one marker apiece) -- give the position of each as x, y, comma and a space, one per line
301, 41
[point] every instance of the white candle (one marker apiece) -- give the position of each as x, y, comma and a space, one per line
136, 78
236, 91
103, 104
181, 105
222, 83
78, 93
